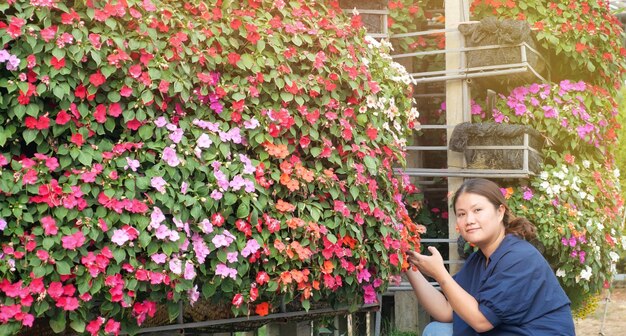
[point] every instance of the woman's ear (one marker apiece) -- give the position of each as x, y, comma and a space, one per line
501, 211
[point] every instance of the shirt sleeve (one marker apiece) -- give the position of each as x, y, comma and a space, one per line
508, 292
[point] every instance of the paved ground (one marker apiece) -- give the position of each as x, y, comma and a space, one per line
615, 322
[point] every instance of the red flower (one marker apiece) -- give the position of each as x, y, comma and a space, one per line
101, 113
262, 278
97, 79
62, 117
237, 300
372, 133
217, 219
135, 71
233, 58
57, 63
164, 86
133, 124
262, 309
115, 110
80, 91
126, 91
305, 141
77, 139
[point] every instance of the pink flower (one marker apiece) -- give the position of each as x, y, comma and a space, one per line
3, 224
94, 326
190, 272
159, 258
3, 160
120, 237
204, 141
49, 226
169, 156
73, 241
176, 266
158, 183
225, 271
112, 327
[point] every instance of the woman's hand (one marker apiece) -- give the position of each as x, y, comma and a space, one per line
431, 265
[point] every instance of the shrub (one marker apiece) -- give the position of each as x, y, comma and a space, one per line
157, 151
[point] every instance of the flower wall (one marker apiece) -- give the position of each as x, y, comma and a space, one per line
217, 151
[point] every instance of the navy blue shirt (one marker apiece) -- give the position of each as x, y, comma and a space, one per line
517, 292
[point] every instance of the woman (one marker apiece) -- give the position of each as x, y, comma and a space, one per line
505, 288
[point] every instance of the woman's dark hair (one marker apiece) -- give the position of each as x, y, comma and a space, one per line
518, 226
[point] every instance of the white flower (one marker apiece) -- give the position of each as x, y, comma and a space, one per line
544, 176
545, 185
560, 175
560, 273
370, 101
566, 182
623, 239
586, 273
565, 170
583, 195
586, 163
591, 198
614, 256
616, 173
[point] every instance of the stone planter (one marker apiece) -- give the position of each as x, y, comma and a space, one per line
491, 31
491, 134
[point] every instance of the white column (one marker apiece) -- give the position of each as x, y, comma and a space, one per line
457, 103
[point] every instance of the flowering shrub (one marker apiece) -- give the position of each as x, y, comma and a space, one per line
578, 207
157, 151
576, 200
582, 37
571, 115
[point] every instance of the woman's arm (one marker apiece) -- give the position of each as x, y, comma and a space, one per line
429, 297
464, 304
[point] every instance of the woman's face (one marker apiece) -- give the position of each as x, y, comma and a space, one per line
478, 220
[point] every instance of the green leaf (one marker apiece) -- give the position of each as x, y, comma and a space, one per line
146, 131
119, 255
243, 210
229, 199
147, 96
85, 158
63, 267
78, 325
30, 135
247, 61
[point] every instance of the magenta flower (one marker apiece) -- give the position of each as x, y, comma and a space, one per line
216, 195
528, 194
3, 224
